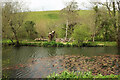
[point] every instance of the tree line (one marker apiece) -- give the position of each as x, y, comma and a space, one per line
104, 26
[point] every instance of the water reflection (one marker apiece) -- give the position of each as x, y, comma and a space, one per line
35, 62
51, 51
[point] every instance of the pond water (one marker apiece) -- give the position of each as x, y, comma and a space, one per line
38, 62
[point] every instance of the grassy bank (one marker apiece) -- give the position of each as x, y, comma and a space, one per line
59, 44
66, 74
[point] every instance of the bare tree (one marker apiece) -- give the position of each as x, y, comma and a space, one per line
70, 15
13, 18
96, 21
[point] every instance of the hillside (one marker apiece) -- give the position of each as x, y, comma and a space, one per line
46, 20
50, 15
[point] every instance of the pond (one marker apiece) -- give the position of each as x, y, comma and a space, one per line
38, 62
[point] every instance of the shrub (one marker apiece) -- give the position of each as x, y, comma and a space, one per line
30, 29
81, 33
53, 44
67, 44
86, 44
45, 44
60, 44
48, 44
74, 44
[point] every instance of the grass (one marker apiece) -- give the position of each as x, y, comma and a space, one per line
66, 74
43, 16
102, 43
50, 15
59, 44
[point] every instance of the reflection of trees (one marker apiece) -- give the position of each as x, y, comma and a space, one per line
51, 51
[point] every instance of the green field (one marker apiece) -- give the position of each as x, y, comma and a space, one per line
51, 15
42, 15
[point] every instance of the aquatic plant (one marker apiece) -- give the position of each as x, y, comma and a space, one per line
66, 74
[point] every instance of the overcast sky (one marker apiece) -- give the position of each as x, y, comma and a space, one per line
44, 5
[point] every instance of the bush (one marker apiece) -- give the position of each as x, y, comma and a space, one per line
81, 33
30, 29
87, 44
53, 44
30, 44
45, 44
67, 44
74, 44
48, 44
60, 44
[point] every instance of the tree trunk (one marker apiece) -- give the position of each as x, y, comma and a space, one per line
118, 32
11, 40
93, 37
17, 41
114, 20
114, 9
118, 28
66, 30
106, 34
15, 34
118, 41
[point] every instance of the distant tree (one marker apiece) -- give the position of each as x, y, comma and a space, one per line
70, 16
30, 29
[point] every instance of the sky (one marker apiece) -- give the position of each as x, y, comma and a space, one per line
46, 5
